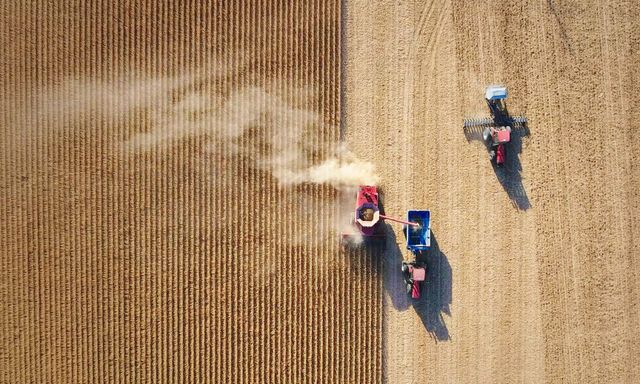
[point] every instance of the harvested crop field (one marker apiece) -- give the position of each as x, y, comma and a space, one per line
535, 273
157, 220
174, 178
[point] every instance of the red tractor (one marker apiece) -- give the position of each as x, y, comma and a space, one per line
496, 138
496, 130
414, 274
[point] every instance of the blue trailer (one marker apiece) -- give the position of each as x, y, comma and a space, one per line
418, 236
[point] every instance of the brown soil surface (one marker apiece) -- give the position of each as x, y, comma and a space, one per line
145, 237
534, 277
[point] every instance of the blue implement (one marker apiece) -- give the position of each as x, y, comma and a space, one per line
419, 237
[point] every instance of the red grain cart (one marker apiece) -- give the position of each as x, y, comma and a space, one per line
368, 215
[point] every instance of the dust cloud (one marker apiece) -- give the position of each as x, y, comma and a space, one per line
281, 136
278, 136
273, 128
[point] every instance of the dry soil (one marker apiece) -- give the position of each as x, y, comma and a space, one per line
145, 236
534, 277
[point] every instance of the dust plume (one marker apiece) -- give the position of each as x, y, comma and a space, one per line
273, 125
342, 170
272, 128
279, 137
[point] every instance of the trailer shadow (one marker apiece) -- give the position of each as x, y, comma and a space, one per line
510, 174
437, 292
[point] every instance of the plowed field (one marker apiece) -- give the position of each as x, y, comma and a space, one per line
535, 273
153, 225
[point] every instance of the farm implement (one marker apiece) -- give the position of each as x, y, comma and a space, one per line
496, 130
369, 213
417, 228
418, 241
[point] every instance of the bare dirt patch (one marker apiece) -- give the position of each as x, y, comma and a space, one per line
535, 276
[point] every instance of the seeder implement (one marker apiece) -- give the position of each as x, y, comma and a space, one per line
495, 130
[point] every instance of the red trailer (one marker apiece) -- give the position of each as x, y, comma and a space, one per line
368, 216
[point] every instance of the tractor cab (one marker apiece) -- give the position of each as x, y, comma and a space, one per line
496, 137
418, 273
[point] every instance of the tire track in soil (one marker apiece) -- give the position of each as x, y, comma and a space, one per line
584, 168
554, 296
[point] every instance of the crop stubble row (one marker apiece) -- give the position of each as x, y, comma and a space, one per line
143, 267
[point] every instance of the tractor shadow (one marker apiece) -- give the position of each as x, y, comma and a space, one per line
392, 267
437, 292
510, 174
